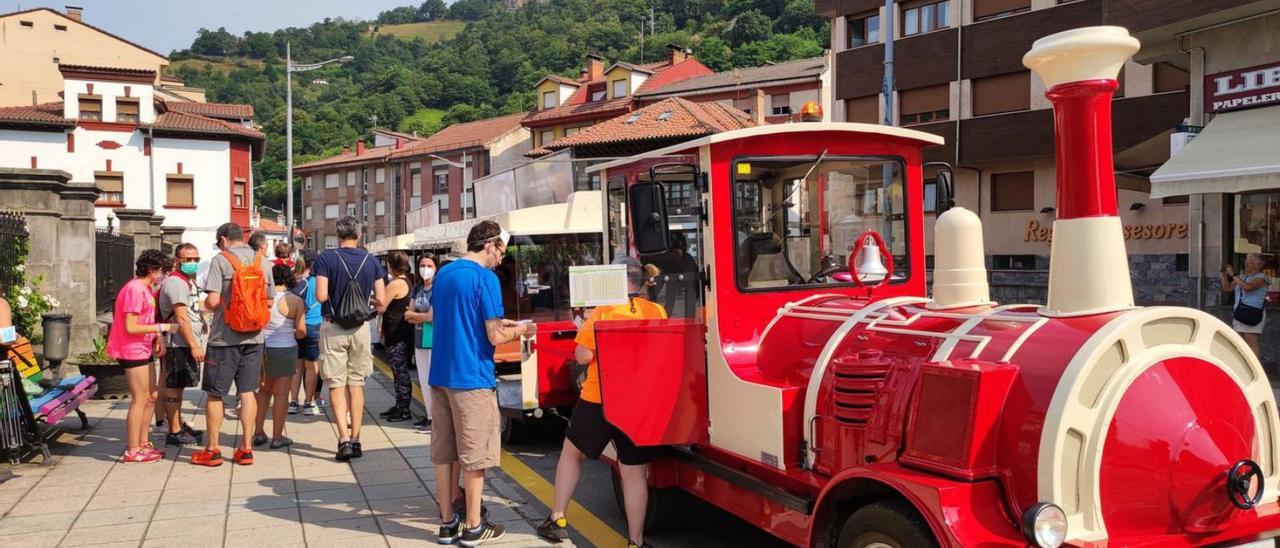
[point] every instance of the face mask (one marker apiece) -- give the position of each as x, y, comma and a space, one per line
427, 273
190, 269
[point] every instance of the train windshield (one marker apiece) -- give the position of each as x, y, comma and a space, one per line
534, 276
797, 218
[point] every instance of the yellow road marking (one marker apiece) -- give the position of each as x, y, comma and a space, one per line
594, 529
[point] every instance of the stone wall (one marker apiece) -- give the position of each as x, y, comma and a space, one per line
1156, 281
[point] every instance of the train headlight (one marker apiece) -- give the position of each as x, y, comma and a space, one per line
1045, 525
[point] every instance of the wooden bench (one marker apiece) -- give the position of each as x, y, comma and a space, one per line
32, 419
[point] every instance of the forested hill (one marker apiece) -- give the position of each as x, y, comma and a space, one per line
419, 67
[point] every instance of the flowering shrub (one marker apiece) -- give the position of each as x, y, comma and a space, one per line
29, 304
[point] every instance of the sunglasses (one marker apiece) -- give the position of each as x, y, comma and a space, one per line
188, 259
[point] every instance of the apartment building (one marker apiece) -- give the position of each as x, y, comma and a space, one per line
771, 94
357, 182
958, 73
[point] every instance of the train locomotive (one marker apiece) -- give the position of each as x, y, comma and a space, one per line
816, 391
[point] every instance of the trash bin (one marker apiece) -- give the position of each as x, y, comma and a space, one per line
57, 336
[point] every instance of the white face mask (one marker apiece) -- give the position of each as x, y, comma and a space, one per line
427, 273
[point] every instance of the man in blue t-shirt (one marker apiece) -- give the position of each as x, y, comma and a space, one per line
346, 352
464, 401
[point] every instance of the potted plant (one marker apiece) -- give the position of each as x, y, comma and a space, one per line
104, 368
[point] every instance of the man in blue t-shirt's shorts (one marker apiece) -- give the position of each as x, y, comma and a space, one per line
464, 400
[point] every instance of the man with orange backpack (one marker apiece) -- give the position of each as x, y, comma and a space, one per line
239, 287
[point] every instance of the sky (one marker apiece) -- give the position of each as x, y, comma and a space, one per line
166, 25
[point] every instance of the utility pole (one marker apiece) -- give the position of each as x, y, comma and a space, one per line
888, 63
288, 137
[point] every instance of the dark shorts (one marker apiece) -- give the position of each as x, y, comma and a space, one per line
224, 365
590, 433
309, 346
128, 364
180, 369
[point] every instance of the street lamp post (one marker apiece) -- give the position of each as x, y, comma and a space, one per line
466, 179
289, 69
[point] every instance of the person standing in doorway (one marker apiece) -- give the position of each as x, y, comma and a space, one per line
397, 336
305, 380
464, 402
179, 304
351, 289
280, 342
239, 286
134, 342
420, 315
1248, 316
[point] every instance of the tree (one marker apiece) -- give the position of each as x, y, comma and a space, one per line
432, 10
471, 10
398, 16
714, 53
798, 14
217, 43
750, 26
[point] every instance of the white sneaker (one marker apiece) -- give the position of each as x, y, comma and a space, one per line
293, 408
310, 410
322, 403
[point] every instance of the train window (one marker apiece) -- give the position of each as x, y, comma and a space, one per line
797, 219
617, 195
534, 275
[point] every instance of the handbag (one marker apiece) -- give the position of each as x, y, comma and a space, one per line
428, 332
1247, 314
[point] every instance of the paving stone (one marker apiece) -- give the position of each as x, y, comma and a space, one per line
106, 534
322, 513
38, 505
179, 542
201, 527
329, 496
267, 536
262, 519
384, 477
106, 499
422, 506
190, 509
115, 516
395, 491
42, 539
363, 540
257, 503
23, 481
341, 528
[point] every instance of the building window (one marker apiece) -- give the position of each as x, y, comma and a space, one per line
598, 93
546, 137
571, 131
1014, 191
863, 31
1003, 93
380, 175
351, 178
415, 182
380, 208
306, 213
331, 180
923, 18
364, 177
180, 191
1013, 262
127, 110
1181, 262
364, 209
60, 27
27, 24
991, 9
239, 193
619, 88
925, 105
330, 242
931, 196
111, 187
91, 107
306, 183
548, 99
780, 103
862, 109
440, 179
351, 210
331, 211
1166, 77
1176, 200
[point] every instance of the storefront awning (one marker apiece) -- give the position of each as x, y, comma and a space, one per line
1236, 152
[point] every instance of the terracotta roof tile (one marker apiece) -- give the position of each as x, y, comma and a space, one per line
178, 122
679, 72
108, 70
268, 225
371, 154
597, 109
469, 134
45, 114
225, 111
810, 68
562, 80
662, 120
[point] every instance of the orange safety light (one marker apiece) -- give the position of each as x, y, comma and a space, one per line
811, 111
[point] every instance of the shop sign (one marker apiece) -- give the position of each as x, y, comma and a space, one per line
1243, 88
1037, 232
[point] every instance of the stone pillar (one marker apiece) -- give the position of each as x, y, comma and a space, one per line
136, 223
60, 224
172, 234
156, 235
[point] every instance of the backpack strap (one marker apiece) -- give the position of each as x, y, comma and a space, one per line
231, 258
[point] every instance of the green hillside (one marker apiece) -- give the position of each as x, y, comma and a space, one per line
431, 31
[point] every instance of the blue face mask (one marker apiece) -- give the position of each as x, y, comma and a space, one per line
190, 269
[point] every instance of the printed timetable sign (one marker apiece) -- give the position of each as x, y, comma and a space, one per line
597, 285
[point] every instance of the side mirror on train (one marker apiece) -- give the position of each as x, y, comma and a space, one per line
648, 204
945, 195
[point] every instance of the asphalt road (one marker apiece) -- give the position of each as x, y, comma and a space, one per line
699, 525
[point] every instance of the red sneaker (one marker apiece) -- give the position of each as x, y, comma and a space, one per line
243, 457
141, 455
207, 457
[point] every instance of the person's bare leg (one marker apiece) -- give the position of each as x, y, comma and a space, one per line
567, 471
263, 399
447, 487
357, 409
309, 380
338, 401
213, 408
152, 396
173, 409
280, 408
295, 388
475, 490
635, 496
1252, 339
137, 416
248, 414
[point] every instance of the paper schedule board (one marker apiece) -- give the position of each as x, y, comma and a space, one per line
597, 285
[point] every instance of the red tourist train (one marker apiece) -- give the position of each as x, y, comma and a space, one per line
807, 384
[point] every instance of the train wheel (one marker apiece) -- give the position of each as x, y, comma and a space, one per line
512, 430
885, 525
657, 514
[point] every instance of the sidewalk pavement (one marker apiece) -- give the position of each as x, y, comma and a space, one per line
298, 496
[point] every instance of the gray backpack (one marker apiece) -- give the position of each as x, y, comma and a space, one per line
353, 308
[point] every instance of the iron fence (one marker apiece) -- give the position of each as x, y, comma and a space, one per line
13, 243
114, 267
